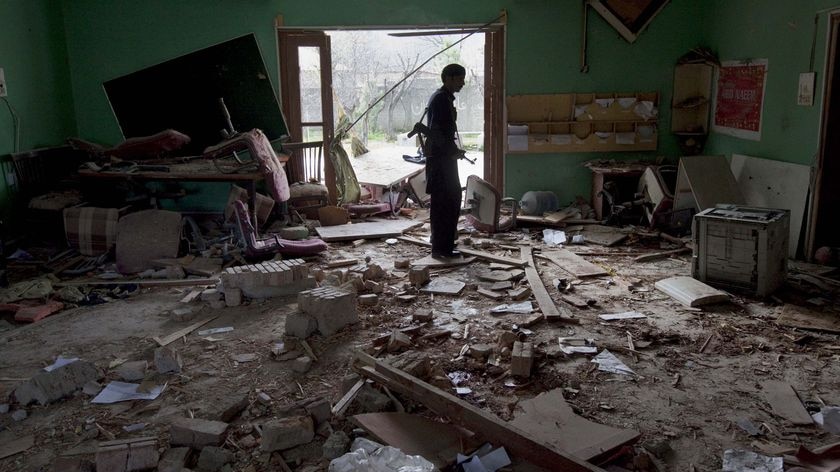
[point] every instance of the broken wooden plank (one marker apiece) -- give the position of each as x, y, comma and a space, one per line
194, 293
163, 341
544, 301
660, 255
416, 435
604, 238
691, 292
369, 230
574, 264
470, 252
785, 402
493, 429
804, 318
341, 406
493, 295
341, 263
16, 446
549, 417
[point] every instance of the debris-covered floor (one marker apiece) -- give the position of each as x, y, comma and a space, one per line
695, 381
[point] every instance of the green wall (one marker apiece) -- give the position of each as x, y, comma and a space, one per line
109, 39
782, 32
33, 54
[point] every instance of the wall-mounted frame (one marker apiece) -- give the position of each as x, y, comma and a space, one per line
628, 17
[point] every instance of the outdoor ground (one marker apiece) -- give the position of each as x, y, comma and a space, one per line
685, 399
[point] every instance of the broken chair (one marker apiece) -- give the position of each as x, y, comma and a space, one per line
484, 207
307, 191
263, 247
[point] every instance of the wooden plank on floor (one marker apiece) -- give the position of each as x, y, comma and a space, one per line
549, 417
804, 318
574, 264
785, 402
16, 446
368, 230
690, 291
544, 301
469, 252
491, 428
163, 341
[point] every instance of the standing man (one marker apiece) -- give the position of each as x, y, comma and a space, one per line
442, 181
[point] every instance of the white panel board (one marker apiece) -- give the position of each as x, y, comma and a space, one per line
774, 184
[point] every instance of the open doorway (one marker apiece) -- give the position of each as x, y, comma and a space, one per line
365, 63
824, 229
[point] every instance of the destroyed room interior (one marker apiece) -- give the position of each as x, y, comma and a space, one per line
216, 225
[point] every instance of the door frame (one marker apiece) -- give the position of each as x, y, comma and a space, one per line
494, 86
832, 62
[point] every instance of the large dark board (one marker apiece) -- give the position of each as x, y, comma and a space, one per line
183, 94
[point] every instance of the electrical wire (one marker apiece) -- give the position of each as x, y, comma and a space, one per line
15, 125
480, 28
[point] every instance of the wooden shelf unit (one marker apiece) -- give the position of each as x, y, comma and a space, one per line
584, 122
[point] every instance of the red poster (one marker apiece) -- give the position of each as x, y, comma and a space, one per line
740, 94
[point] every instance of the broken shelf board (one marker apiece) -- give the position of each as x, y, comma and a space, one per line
10, 448
492, 429
417, 435
469, 252
432, 263
444, 286
544, 301
163, 341
785, 402
141, 282
803, 318
549, 417
604, 238
368, 230
574, 264
691, 292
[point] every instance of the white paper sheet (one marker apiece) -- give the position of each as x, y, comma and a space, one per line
627, 315
60, 362
120, 391
607, 362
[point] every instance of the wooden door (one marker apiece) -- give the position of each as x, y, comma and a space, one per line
306, 91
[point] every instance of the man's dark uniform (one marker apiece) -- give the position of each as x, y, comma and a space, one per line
442, 181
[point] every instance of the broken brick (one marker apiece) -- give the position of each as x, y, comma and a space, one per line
31, 314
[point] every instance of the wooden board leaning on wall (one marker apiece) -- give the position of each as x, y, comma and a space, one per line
583, 122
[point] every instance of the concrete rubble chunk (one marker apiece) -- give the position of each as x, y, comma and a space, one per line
287, 433
213, 458
320, 410
402, 263
374, 272
398, 341
73, 464
174, 459
19, 415
46, 387
167, 360
127, 455
225, 407
269, 279
418, 276
132, 371
197, 432
335, 445
371, 400
480, 351
210, 295
300, 325
370, 299
332, 308
182, 314
423, 315
302, 364
233, 297
522, 359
